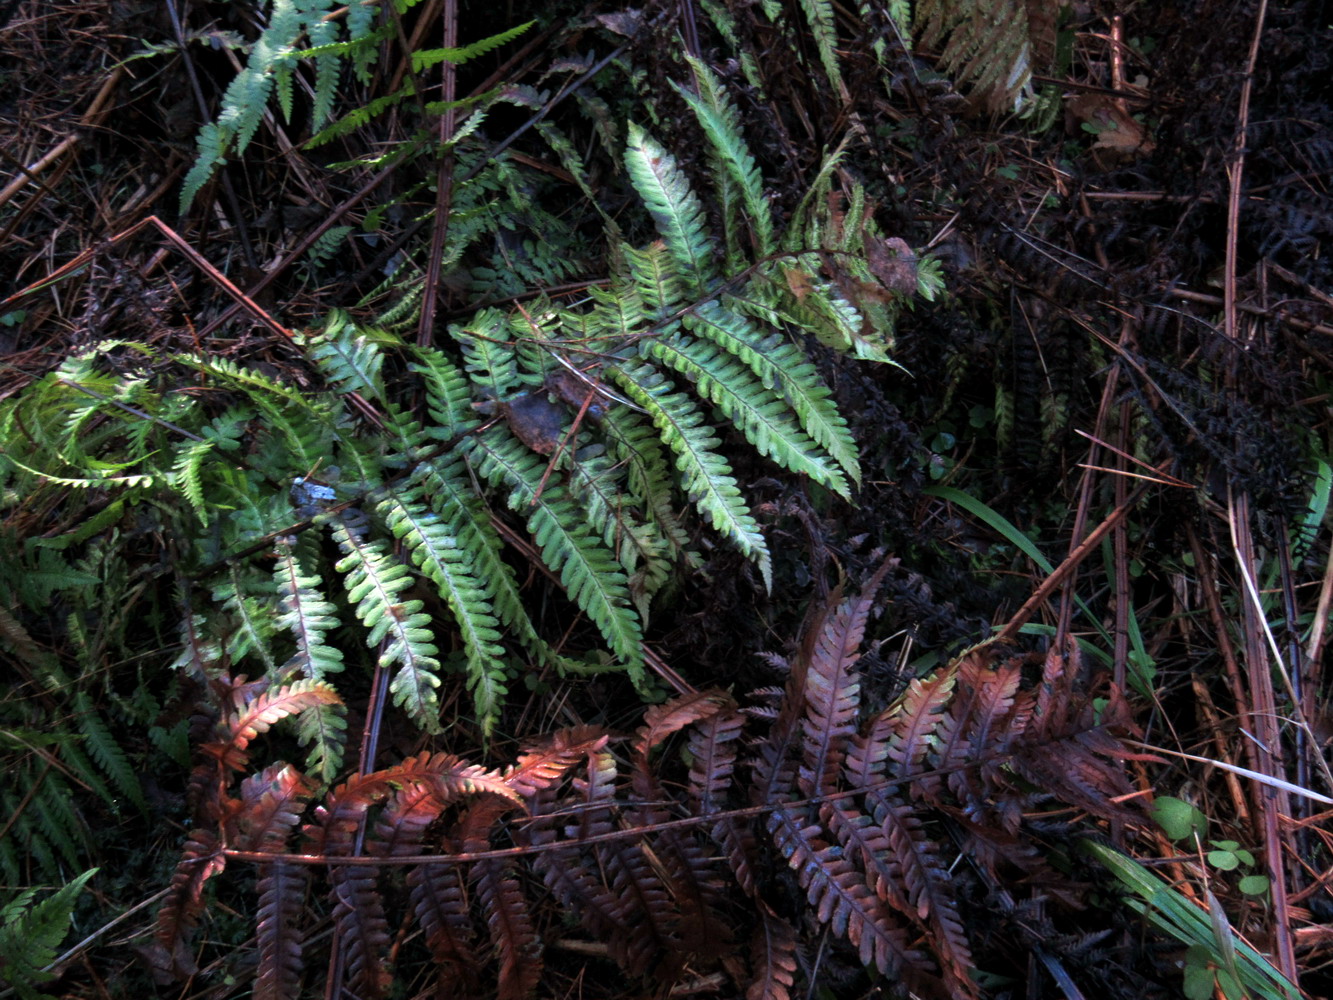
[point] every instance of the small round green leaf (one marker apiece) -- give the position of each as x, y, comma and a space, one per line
1254, 885
1177, 818
1223, 861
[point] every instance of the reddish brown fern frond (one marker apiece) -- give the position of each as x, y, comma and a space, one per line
169, 954
773, 956
278, 929
690, 874
513, 935
440, 903
712, 747
273, 801
832, 689
254, 711
843, 900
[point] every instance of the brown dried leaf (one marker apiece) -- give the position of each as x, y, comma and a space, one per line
536, 421
892, 262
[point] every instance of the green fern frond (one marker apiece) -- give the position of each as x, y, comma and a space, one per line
445, 563
819, 14
361, 116
349, 355
31, 934
659, 288
212, 144
636, 444
762, 416
375, 586
306, 613
782, 367
269, 68
598, 483
587, 569
676, 210
488, 353
721, 124
448, 395
108, 754
707, 476
249, 598
427, 58
309, 617
448, 487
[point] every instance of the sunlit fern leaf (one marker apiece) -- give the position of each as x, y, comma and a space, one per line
254, 709
780, 365
589, 572
441, 558
676, 210
375, 587
706, 475
721, 124
447, 487
448, 395
763, 417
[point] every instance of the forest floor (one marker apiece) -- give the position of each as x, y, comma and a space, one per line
1105, 439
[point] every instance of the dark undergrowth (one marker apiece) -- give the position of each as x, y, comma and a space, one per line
728, 499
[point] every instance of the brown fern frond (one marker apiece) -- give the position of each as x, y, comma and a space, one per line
660, 721
832, 689
511, 929
567, 874
541, 769
913, 722
927, 886
688, 870
842, 899
439, 902
272, 803
278, 929
363, 928
169, 954
358, 903
643, 903
712, 769
436, 892
254, 711
773, 957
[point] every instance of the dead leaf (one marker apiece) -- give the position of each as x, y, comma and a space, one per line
536, 421
892, 262
1117, 131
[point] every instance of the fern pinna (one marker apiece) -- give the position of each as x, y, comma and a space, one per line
660, 855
